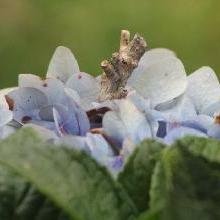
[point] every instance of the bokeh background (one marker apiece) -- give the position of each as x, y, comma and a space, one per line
31, 29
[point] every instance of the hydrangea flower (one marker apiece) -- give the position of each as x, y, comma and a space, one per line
162, 103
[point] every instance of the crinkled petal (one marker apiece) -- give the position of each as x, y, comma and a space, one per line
63, 64
161, 81
180, 132
203, 88
86, 86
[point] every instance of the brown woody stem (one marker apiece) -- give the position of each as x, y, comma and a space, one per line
119, 68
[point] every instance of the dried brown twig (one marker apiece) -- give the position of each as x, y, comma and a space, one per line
119, 68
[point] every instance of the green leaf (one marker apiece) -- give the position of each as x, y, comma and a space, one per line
20, 201
136, 176
204, 147
185, 186
69, 178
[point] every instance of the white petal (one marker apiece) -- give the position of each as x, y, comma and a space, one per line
203, 88
161, 81
5, 116
134, 121
155, 55
63, 64
86, 86
6, 131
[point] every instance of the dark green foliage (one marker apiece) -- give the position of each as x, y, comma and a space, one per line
185, 185
20, 201
136, 176
207, 148
41, 181
72, 180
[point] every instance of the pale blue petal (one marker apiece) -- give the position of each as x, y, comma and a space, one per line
211, 109
51, 87
73, 94
114, 127
99, 148
64, 122
214, 131
203, 88
135, 122
80, 114
87, 88
70, 119
183, 109
26, 103
139, 101
63, 64
115, 165
180, 132
128, 121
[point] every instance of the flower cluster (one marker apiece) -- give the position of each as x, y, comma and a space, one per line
162, 103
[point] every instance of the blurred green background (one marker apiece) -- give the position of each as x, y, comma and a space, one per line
31, 29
